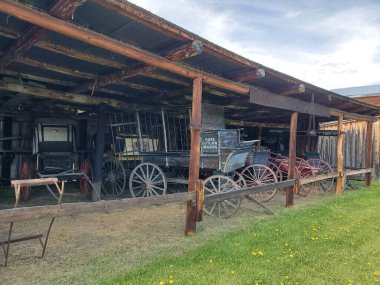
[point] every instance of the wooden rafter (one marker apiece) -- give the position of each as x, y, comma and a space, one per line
183, 52
250, 75
36, 77
96, 39
65, 96
63, 9
256, 124
290, 90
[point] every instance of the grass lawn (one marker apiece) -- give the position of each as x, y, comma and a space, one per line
335, 241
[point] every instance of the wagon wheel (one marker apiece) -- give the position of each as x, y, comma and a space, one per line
217, 184
305, 170
258, 174
114, 178
147, 179
323, 168
25, 173
84, 184
277, 170
179, 187
239, 179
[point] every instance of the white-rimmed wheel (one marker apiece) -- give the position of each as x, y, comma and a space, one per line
256, 175
217, 184
114, 178
323, 168
147, 179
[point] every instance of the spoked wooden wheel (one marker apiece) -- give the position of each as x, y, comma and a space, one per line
114, 178
25, 173
239, 179
216, 184
257, 174
147, 179
277, 170
304, 170
322, 167
84, 184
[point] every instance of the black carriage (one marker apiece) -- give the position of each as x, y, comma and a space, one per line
56, 154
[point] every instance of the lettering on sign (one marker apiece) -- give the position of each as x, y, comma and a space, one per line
209, 143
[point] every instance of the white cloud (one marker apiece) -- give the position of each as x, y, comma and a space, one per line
326, 47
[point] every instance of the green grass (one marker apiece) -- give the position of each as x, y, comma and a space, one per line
335, 241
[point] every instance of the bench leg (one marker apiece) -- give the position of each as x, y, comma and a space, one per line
60, 191
17, 194
6, 249
47, 237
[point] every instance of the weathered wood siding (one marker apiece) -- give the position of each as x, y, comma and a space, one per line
354, 144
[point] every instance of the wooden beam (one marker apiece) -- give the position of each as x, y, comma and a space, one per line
291, 90
181, 53
195, 151
8, 33
55, 68
250, 75
65, 96
63, 9
339, 158
85, 56
99, 150
96, 39
269, 99
36, 78
292, 158
241, 123
104, 206
369, 153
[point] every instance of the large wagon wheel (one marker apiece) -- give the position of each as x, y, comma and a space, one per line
25, 173
322, 167
304, 170
217, 184
277, 170
258, 174
84, 184
114, 178
239, 179
147, 179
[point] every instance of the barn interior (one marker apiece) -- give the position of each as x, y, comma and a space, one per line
49, 73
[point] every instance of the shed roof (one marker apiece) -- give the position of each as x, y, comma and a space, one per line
30, 55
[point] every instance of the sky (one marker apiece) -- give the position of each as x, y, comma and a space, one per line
329, 43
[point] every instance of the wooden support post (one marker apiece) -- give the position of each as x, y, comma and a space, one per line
369, 153
195, 153
200, 199
292, 157
339, 158
99, 149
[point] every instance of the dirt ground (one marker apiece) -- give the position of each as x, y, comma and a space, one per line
87, 248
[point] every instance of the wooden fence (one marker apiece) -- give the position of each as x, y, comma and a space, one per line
354, 144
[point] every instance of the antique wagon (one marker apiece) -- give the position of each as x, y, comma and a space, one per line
153, 150
56, 154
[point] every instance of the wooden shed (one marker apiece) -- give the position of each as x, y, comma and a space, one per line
83, 58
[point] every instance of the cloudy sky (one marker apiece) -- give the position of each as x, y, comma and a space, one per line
329, 43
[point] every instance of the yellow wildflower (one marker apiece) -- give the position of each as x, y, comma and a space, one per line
171, 281
254, 253
376, 273
161, 282
210, 261
291, 255
261, 253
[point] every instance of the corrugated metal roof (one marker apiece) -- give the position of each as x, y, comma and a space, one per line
358, 90
160, 40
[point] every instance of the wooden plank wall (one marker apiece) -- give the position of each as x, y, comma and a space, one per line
354, 144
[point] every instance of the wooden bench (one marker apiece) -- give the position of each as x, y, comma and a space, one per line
17, 184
